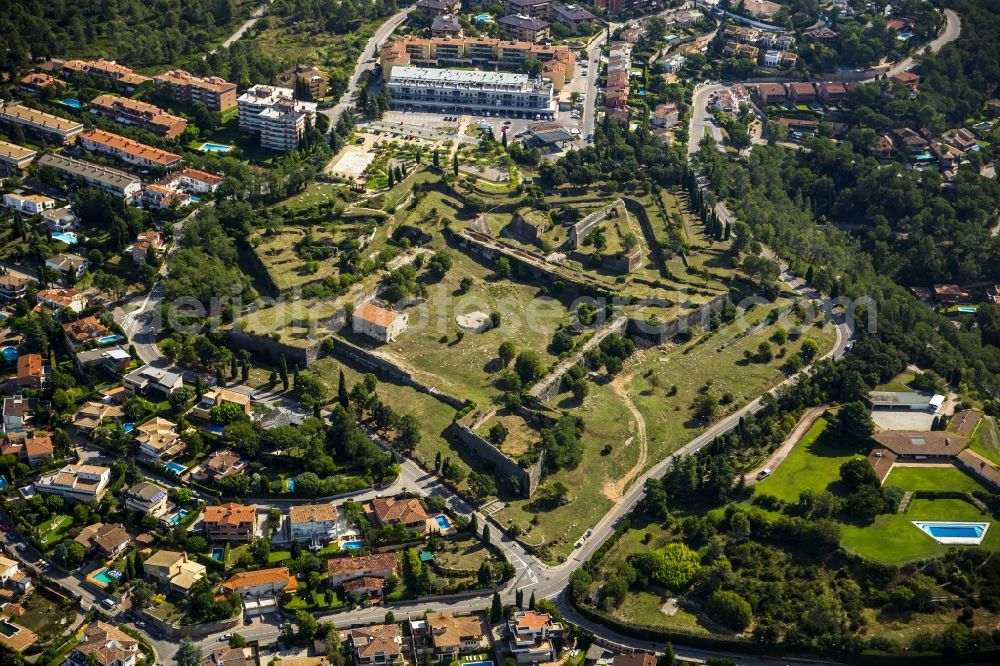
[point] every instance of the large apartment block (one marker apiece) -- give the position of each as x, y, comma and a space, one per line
127, 150
480, 52
215, 93
52, 128
133, 112
116, 74
110, 180
475, 92
275, 115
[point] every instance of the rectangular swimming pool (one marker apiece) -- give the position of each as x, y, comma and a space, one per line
105, 576
442, 521
217, 554
957, 533
176, 468
215, 148
72, 103
8, 629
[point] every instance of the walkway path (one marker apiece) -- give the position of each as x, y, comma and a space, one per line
614, 490
775, 459
254, 17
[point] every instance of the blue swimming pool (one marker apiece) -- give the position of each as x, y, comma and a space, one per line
217, 554
9, 354
178, 517
481, 18
215, 148
442, 521
72, 103
108, 339
967, 309
478, 663
195, 199
3, 483
128, 427
107, 576
352, 545
67, 237
176, 468
954, 533
291, 485
214, 429
4, 315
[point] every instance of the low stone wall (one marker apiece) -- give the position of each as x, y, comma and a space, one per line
580, 230
261, 344
191, 630
660, 333
385, 366
528, 478
548, 386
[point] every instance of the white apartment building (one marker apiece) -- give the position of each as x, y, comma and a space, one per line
275, 115
80, 482
28, 204
314, 524
473, 92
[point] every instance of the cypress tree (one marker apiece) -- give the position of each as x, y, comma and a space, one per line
437, 468
496, 610
343, 396
437, 159
531, 601
454, 165
519, 598
233, 368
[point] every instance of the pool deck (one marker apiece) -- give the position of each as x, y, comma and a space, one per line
922, 525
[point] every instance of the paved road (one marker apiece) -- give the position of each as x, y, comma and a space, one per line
951, 31
365, 62
254, 17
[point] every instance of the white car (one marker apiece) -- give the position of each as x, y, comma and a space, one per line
225, 637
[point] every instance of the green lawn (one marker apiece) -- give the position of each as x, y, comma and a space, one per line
932, 479
54, 529
985, 441
893, 539
814, 464
900, 382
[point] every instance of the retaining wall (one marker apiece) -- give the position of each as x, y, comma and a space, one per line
660, 333
192, 630
580, 230
261, 344
529, 478
548, 386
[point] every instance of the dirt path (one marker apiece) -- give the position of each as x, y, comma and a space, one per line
778, 457
615, 490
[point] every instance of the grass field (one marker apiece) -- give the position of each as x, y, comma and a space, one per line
54, 529
932, 479
893, 539
900, 382
814, 464
276, 252
316, 194
463, 555
985, 441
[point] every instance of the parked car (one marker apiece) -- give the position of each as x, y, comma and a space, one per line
225, 637
763, 474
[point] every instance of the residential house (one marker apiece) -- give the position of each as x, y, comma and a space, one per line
28, 204
446, 25
964, 140
36, 82
572, 16
84, 331
158, 439
376, 644
92, 415
105, 644
908, 80
111, 359
665, 115
822, 35
57, 301
215, 93
314, 524
674, 63
127, 150
60, 219
409, 513
261, 589
157, 197
366, 587
438, 7
379, 323
144, 243
83, 483
531, 637
737, 50
174, 570
148, 380
68, 264
107, 540
449, 637
19, 413
536, 8
30, 373
882, 149
219, 465
118, 75
147, 498
526, 28
222, 396
950, 294
743, 33
33, 448
801, 93
230, 656
275, 115
230, 522
317, 82
771, 93
14, 287
378, 565
761, 9
634, 659
192, 181
832, 92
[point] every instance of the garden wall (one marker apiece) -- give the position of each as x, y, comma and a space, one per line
261, 344
527, 478
192, 630
580, 230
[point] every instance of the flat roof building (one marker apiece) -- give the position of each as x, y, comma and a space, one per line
480, 52
51, 127
80, 482
450, 90
275, 115
15, 157
105, 178
116, 74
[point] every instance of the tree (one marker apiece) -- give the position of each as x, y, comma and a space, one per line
668, 658
188, 653
529, 366
307, 624
481, 485
441, 262
496, 609
454, 165
342, 394
497, 434
531, 601
854, 422
730, 609
142, 593
503, 268
705, 406
506, 353
408, 432
486, 534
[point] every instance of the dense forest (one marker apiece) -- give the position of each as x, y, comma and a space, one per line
142, 34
